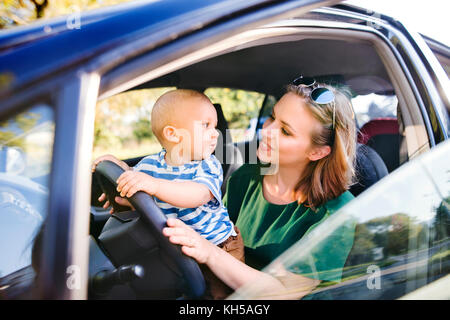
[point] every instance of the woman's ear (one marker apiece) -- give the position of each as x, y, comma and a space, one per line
318, 153
170, 134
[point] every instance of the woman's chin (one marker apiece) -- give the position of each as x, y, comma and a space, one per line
264, 156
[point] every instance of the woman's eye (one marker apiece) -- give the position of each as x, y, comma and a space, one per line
283, 131
206, 124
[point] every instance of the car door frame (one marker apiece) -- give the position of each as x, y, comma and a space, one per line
427, 75
64, 231
65, 243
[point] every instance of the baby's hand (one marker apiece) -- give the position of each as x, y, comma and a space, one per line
131, 182
109, 157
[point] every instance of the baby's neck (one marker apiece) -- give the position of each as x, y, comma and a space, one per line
174, 158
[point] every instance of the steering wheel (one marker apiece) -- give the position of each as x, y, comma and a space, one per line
155, 221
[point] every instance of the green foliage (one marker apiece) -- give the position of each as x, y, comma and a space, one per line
142, 130
122, 123
363, 241
10, 136
238, 106
23, 12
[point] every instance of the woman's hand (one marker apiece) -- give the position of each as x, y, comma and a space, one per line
118, 200
192, 244
111, 158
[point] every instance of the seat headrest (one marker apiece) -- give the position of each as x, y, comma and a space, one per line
377, 126
222, 124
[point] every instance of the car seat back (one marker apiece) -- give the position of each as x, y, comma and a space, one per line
226, 152
382, 135
369, 169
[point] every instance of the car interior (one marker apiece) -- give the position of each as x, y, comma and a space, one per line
247, 69
266, 66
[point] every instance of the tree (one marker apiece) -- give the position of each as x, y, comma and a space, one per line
12, 131
23, 12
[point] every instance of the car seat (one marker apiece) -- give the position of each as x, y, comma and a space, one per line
369, 169
226, 152
382, 135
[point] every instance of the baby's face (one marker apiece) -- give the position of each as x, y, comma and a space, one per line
200, 123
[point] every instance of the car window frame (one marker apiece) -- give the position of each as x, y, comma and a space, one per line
423, 70
64, 240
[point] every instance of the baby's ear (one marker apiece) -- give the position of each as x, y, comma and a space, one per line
170, 134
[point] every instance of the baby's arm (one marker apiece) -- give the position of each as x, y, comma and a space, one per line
184, 194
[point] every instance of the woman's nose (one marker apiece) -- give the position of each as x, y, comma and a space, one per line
266, 128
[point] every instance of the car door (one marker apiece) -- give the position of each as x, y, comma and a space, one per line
401, 240
77, 67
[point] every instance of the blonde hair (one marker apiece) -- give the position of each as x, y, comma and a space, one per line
329, 177
169, 107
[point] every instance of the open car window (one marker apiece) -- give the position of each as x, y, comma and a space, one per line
374, 106
123, 124
400, 240
240, 109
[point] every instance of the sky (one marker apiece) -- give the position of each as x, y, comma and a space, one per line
428, 17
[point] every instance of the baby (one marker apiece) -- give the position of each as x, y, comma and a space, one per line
185, 177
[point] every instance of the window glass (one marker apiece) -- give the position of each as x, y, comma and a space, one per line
400, 240
240, 109
123, 124
372, 106
26, 144
438, 169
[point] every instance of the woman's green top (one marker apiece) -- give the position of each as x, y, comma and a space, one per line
269, 229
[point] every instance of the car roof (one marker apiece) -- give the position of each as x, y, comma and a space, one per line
35, 51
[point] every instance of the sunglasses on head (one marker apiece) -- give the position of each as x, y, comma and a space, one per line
319, 95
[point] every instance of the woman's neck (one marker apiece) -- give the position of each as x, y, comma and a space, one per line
280, 187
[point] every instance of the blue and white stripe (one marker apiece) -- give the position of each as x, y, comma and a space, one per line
210, 220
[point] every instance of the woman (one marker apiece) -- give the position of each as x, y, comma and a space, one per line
310, 141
